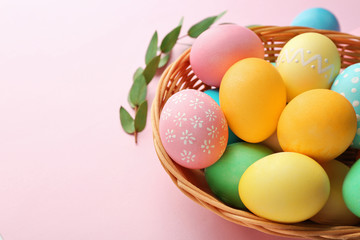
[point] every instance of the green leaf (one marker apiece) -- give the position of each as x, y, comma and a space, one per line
138, 91
140, 118
181, 21
138, 71
170, 39
220, 15
127, 122
164, 60
150, 69
130, 103
203, 25
254, 25
152, 48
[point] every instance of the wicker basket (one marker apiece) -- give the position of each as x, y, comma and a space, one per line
192, 183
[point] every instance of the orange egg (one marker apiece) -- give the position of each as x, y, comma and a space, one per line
319, 123
252, 97
335, 211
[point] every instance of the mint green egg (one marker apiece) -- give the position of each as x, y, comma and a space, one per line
351, 189
223, 177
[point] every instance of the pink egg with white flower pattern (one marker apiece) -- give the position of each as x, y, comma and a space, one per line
193, 129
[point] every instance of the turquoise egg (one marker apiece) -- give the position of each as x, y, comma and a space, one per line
318, 18
214, 94
347, 84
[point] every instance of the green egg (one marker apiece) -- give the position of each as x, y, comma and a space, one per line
223, 177
351, 186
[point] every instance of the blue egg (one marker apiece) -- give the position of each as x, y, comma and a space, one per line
318, 18
214, 94
348, 84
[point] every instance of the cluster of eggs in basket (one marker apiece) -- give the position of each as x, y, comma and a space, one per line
268, 134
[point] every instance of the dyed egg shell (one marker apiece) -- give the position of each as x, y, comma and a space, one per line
308, 61
223, 176
219, 47
273, 143
214, 94
193, 129
284, 187
252, 100
318, 18
319, 123
347, 84
335, 211
351, 188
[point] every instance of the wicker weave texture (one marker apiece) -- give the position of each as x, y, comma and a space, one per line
179, 75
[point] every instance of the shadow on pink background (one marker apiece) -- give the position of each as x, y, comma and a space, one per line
67, 170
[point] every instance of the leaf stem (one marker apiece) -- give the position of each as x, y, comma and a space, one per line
183, 36
185, 44
135, 133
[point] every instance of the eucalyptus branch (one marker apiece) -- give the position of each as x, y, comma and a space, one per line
156, 57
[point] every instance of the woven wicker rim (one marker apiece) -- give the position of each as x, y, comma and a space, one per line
179, 76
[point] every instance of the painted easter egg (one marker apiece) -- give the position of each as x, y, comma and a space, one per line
308, 61
193, 129
348, 84
214, 94
273, 142
252, 100
284, 187
351, 188
319, 18
335, 211
223, 176
319, 123
219, 47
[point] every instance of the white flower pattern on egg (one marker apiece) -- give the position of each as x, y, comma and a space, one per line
179, 118
210, 115
192, 124
196, 122
213, 131
187, 137
187, 156
166, 113
207, 146
223, 123
196, 103
179, 98
170, 136
222, 141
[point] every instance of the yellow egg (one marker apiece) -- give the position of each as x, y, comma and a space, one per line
308, 61
284, 187
252, 97
335, 211
319, 123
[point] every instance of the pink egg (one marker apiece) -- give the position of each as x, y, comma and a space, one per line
193, 129
216, 49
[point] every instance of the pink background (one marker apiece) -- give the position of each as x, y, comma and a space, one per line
67, 170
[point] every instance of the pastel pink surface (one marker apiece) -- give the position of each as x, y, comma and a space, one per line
355, 32
218, 48
67, 170
193, 129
